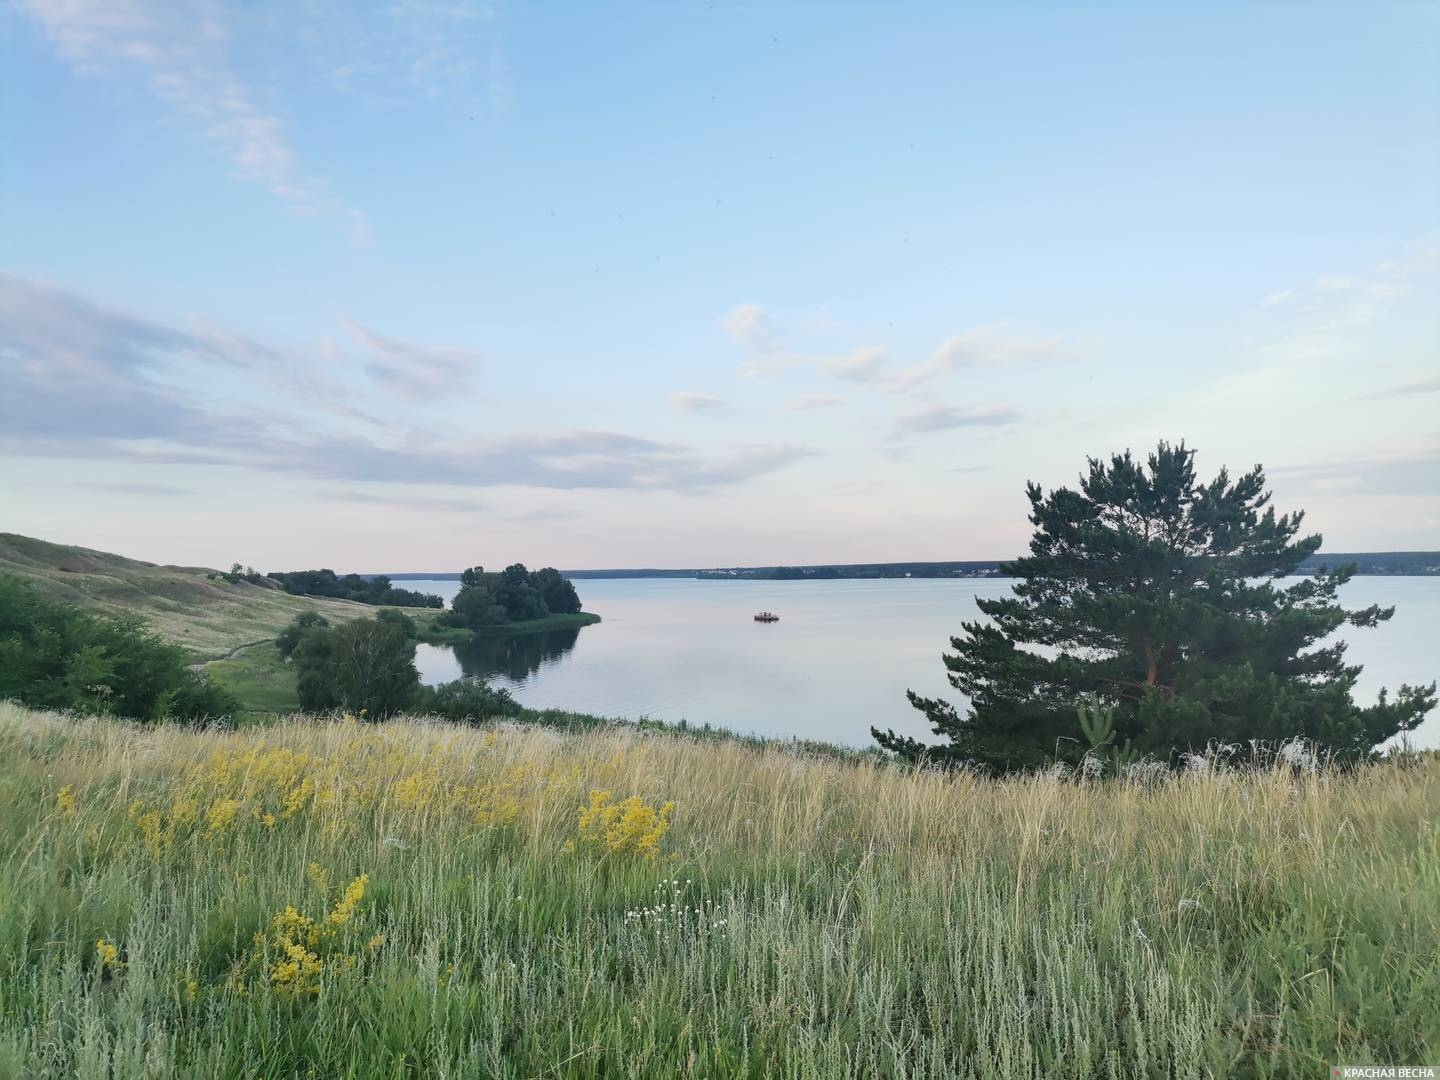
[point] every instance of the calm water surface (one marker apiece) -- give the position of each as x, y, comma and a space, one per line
839, 660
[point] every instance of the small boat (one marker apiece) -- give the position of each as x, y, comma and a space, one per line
767, 616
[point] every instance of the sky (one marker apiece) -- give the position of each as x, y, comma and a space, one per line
423, 284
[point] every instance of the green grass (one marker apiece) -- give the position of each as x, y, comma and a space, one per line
258, 678
854, 918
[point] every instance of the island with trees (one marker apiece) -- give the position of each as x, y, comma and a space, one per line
513, 600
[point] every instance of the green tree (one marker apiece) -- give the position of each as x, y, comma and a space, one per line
306, 622
475, 605
558, 592
314, 685
365, 664
1156, 593
520, 599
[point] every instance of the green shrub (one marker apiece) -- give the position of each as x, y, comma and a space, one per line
466, 700
54, 655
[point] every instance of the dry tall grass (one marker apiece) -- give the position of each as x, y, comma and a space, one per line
805, 917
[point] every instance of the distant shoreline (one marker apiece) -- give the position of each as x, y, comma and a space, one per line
1368, 564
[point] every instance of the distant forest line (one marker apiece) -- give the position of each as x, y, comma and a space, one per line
1392, 563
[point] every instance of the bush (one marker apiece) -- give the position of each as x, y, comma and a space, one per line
57, 656
466, 701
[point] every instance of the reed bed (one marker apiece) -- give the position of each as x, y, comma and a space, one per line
329, 898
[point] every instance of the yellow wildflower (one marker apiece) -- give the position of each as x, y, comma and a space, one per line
298, 975
344, 910
631, 826
221, 816
109, 955
319, 875
65, 800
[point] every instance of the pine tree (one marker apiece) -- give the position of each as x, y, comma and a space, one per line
1157, 594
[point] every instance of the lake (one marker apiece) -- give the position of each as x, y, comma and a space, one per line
839, 660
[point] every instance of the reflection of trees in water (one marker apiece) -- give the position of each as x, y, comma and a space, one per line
516, 657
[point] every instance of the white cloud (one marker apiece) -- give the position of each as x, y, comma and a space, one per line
981, 347
692, 402
861, 366
437, 56
181, 51
813, 401
750, 325
1332, 302
943, 417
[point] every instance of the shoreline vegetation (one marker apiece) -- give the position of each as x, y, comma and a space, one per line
433, 632
321, 896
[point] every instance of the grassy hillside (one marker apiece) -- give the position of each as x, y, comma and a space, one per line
209, 618
339, 900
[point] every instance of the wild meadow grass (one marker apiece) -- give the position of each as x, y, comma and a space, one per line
327, 898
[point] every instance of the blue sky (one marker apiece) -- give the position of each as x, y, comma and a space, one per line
418, 285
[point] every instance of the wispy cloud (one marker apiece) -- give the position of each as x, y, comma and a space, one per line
1412, 470
181, 53
692, 402
1409, 389
873, 365
1335, 302
983, 347
416, 371
813, 401
135, 488
438, 55
943, 417
861, 366
564, 460
405, 501
85, 382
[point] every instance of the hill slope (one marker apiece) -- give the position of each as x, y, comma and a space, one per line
207, 616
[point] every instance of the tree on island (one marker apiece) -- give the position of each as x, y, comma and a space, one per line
1156, 594
514, 595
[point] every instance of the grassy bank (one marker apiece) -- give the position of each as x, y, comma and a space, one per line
431, 634
189, 605
339, 900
